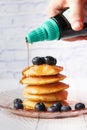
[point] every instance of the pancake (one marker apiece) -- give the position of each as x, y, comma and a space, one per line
45, 89
29, 104
58, 96
42, 80
41, 70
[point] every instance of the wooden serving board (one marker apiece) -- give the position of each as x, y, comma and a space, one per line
45, 115
7, 97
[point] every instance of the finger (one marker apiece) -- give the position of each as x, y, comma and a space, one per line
76, 14
52, 11
55, 7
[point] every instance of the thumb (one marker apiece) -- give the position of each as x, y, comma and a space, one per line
77, 14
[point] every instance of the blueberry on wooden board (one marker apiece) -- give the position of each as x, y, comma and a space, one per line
18, 106
65, 108
18, 103
58, 105
40, 107
52, 109
79, 106
17, 100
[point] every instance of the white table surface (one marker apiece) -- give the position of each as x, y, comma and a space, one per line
77, 91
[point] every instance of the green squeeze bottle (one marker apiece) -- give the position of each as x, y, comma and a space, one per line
57, 27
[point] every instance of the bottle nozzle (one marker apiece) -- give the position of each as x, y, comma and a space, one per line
47, 31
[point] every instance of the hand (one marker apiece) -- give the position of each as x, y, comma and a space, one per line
76, 15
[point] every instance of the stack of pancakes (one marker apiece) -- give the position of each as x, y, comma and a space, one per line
43, 84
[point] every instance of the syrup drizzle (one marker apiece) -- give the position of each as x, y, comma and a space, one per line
27, 53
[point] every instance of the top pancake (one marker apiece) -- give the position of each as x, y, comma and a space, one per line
41, 70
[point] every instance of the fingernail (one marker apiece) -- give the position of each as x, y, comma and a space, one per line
77, 25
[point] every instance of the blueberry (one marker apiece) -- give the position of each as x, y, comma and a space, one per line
17, 100
40, 106
18, 103
65, 108
38, 60
50, 60
52, 109
79, 106
58, 105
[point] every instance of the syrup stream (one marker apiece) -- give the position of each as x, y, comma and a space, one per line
27, 53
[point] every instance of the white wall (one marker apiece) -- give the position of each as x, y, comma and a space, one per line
17, 18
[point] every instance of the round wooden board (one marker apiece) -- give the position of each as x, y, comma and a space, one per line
7, 97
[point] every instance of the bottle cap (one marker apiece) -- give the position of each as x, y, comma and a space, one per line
47, 31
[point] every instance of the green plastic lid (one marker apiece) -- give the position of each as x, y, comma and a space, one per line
47, 31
